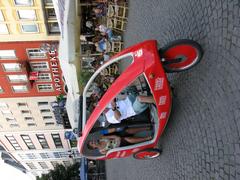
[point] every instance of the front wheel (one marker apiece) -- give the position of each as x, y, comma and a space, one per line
147, 154
180, 55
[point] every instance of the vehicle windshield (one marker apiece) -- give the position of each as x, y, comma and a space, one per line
134, 119
102, 82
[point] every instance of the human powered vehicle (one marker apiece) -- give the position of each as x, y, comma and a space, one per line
146, 72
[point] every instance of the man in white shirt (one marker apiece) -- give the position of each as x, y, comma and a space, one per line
123, 109
108, 32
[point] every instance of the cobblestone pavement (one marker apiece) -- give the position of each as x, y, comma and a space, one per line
202, 138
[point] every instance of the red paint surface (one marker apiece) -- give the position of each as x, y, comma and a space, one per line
22, 57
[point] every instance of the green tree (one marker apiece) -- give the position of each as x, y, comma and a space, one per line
62, 173
84, 77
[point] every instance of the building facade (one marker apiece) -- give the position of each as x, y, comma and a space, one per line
33, 116
27, 20
28, 71
39, 151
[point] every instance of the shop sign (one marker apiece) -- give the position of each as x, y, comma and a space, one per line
54, 64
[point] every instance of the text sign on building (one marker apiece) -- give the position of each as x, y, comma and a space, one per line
56, 72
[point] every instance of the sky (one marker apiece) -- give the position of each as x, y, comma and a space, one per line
8, 172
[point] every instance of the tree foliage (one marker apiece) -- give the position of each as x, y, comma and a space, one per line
62, 173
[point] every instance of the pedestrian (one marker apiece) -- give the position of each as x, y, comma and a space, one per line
132, 105
108, 33
106, 143
101, 46
100, 10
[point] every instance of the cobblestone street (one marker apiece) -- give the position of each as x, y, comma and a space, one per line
201, 140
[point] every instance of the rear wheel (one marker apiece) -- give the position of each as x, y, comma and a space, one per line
180, 55
147, 154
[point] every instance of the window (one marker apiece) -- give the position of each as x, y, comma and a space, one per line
3, 105
22, 104
45, 110
27, 14
28, 119
48, 2
6, 112
15, 125
51, 13
26, 112
31, 165
12, 67
13, 142
42, 140
43, 165
1, 89
4, 29
23, 2
39, 66
27, 156
42, 103
46, 77
45, 87
11, 119
45, 155
7, 54
47, 117
60, 154
29, 28
31, 124
1, 16
28, 141
36, 54
20, 88
30, 156
57, 140
17, 78
53, 27
49, 123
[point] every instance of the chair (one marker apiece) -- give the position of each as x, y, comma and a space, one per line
117, 11
86, 63
116, 46
111, 70
115, 24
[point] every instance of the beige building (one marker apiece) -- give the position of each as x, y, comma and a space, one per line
28, 20
30, 133
28, 113
38, 151
29, 129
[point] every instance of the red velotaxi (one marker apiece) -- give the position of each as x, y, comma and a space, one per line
144, 74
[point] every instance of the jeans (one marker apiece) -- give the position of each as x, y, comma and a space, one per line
112, 37
138, 106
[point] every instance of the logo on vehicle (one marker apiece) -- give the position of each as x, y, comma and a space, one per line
158, 84
123, 154
138, 53
118, 154
163, 115
162, 100
135, 150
